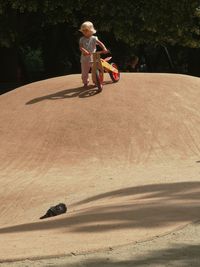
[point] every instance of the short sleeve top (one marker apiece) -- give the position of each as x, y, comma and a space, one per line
90, 45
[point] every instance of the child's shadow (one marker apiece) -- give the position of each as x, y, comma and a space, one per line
68, 93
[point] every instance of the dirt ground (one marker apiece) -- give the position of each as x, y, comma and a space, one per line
125, 162
177, 249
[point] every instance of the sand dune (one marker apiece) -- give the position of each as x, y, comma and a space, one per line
124, 161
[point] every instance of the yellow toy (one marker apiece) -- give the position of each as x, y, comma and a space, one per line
99, 66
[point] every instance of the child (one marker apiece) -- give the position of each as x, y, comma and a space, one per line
87, 46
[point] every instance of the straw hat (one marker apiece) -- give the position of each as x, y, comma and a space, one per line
89, 26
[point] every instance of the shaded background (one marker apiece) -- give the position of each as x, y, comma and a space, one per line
39, 39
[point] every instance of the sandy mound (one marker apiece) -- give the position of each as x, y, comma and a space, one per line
124, 161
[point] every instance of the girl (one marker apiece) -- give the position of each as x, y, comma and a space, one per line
87, 46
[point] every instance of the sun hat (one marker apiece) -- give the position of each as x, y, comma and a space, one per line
87, 25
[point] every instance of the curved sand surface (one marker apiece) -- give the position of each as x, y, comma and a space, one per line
124, 161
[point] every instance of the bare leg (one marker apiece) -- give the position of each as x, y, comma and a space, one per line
85, 68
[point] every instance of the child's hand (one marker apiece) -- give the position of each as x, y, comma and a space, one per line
105, 51
86, 53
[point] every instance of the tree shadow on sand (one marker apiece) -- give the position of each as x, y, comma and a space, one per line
179, 255
80, 92
140, 207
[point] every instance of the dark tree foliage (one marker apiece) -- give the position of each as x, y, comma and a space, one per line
52, 26
134, 22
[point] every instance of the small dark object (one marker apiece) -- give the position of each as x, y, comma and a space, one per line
198, 161
55, 210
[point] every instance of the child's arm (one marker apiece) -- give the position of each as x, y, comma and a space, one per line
84, 51
102, 46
